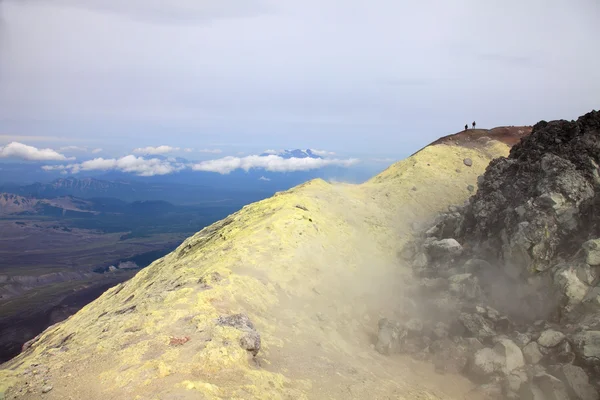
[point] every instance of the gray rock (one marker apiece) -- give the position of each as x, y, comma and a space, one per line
445, 248
576, 380
550, 338
587, 274
552, 388
486, 362
532, 353
573, 289
250, 341
432, 232
476, 325
587, 346
239, 321
468, 162
521, 339
592, 251
250, 338
449, 357
511, 353
471, 188
389, 336
512, 382
47, 388
465, 286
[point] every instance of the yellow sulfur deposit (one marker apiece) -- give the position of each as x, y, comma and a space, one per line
314, 268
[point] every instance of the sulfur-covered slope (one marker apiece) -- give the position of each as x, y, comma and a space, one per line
314, 268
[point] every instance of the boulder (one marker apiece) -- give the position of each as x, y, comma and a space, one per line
485, 363
445, 248
550, 338
250, 338
476, 325
512, 382
569, 284
503, 358
511, 353
521, 339
552, 387
587, 346
449, 357
576, 380
592, 251
532, 353
468, 162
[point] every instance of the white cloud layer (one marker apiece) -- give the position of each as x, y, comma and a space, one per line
271, 163
264, 178
131, 164
155, 150
30, 153
96, 151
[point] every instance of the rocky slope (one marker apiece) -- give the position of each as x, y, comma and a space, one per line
280, 300
510, 280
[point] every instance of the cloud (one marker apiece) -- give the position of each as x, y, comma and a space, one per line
323, 153
73, 149
270, 151
272, 163
30, 153
96, 151
263, 178
155, 150
131, 164
211, 151
188, 149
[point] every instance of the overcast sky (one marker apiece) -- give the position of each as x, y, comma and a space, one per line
378, 77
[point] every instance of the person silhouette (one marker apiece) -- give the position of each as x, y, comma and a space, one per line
466, 126
473, 124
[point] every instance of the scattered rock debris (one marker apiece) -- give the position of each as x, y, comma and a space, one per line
250, 339
528, 243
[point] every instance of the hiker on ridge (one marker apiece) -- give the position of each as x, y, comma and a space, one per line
473, 124
466, 126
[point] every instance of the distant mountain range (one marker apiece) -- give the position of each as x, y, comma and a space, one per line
297, 153
11, 203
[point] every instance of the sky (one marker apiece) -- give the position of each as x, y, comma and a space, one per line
207, 80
